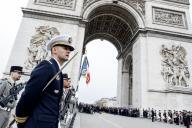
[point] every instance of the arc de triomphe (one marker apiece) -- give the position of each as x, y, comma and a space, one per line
153, 39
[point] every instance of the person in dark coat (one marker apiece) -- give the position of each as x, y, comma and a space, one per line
165, 116
152, 115
160, 115
177, 118
186, 119
38, 106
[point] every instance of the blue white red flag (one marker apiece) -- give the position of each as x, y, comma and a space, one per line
85, 70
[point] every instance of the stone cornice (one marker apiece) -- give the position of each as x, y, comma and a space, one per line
162, 34
51, 16
168, 34
181, 90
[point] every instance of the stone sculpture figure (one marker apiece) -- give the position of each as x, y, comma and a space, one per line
174, 66
37, 48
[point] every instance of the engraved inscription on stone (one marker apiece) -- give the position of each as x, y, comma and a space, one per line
168, 17
68, 4
37, 47
175, 70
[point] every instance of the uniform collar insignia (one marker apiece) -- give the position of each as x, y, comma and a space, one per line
56, 91
58, 77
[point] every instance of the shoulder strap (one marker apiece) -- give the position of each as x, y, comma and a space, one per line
2, 86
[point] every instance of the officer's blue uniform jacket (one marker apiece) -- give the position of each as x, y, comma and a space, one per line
42, 108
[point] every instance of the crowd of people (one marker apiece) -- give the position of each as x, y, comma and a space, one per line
183, 117
90, 108
173, 117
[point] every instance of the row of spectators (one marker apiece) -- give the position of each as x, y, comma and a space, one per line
167, 116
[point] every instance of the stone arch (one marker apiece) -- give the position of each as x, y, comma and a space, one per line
117, 23
139, 17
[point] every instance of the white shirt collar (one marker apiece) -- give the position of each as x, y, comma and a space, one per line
57, 63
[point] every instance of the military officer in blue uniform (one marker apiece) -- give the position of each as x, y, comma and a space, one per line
39, 107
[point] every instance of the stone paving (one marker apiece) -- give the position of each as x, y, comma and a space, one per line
115, 121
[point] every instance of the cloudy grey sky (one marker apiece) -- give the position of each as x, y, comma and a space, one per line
101, 54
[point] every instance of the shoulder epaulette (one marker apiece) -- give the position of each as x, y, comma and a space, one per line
3, 79
49, 61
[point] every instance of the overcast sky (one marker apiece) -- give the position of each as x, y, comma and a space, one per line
101, 54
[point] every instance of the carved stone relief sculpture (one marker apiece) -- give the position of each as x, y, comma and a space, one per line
137, 4
175, 70
37, 47
69, 4
169, 17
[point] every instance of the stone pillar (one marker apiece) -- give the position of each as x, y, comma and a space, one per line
119, 82
125, 85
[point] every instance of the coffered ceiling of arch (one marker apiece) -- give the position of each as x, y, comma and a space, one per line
111, 21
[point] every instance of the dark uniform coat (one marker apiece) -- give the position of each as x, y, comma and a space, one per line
41, 108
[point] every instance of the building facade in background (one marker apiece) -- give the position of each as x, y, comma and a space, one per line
107, 102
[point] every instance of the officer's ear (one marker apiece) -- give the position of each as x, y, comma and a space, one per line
53, 50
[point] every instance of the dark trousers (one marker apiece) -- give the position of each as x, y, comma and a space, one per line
153, 118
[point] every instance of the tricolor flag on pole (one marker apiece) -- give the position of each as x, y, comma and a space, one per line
85, 69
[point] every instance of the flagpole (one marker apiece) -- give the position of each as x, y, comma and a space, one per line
79, 77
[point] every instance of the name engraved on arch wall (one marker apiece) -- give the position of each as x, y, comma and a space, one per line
66, 4
169, 17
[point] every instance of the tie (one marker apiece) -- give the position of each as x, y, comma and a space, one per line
15, 96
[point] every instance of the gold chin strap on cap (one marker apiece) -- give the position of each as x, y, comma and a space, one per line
20, 119
59, 43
